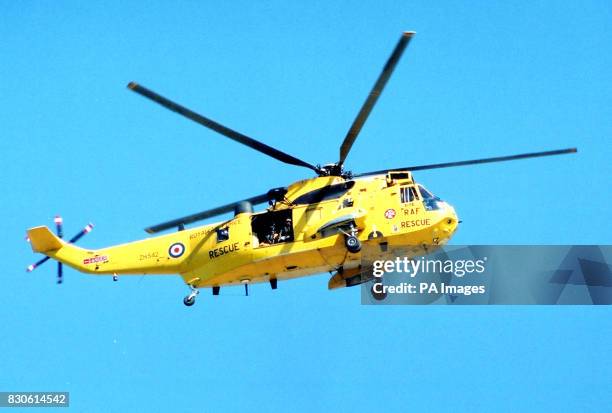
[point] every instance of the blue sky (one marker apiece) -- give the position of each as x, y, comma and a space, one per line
478, 79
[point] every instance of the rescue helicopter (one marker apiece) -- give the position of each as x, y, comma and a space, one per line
312, 226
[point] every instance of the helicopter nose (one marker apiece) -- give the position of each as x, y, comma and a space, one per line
451, 221
451, 224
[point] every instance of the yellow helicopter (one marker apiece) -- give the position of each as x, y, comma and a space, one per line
311, 226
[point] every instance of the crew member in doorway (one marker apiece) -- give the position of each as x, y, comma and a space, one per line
286, 231
272, 235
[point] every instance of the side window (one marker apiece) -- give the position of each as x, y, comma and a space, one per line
408, 194
222, 234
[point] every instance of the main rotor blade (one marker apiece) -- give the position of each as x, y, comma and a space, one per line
259, 199
217, 127
474, 161
363, 114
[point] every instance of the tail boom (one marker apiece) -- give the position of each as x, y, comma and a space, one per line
148, 256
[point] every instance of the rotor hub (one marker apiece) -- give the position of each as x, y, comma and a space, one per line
334, 169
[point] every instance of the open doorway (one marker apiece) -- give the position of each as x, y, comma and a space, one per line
273, 227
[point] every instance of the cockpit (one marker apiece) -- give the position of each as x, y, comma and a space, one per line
412, 193
430, 201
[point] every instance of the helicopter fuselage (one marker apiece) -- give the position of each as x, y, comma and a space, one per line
302, 234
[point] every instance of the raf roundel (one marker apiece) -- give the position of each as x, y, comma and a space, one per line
176, 250
390, 213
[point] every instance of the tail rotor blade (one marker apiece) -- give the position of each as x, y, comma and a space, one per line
86, 230
38, 263
59, 221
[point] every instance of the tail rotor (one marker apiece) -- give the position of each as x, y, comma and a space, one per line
59, 230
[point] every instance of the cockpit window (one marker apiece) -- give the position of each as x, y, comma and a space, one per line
425, 194
408, 194
430, 201
324, 194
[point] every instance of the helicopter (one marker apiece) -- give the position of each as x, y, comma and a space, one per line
312, 226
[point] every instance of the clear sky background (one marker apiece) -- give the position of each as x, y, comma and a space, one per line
479, 79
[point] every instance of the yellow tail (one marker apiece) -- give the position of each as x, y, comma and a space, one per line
43, 240
46, 242
148, 256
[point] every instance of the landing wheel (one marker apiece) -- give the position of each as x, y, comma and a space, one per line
352, 244
190, 299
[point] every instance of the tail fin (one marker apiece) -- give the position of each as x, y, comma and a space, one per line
43, 240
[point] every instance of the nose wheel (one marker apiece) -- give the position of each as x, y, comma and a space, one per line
190, 299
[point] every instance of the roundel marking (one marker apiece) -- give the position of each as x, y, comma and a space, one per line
176, 250
390, 213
